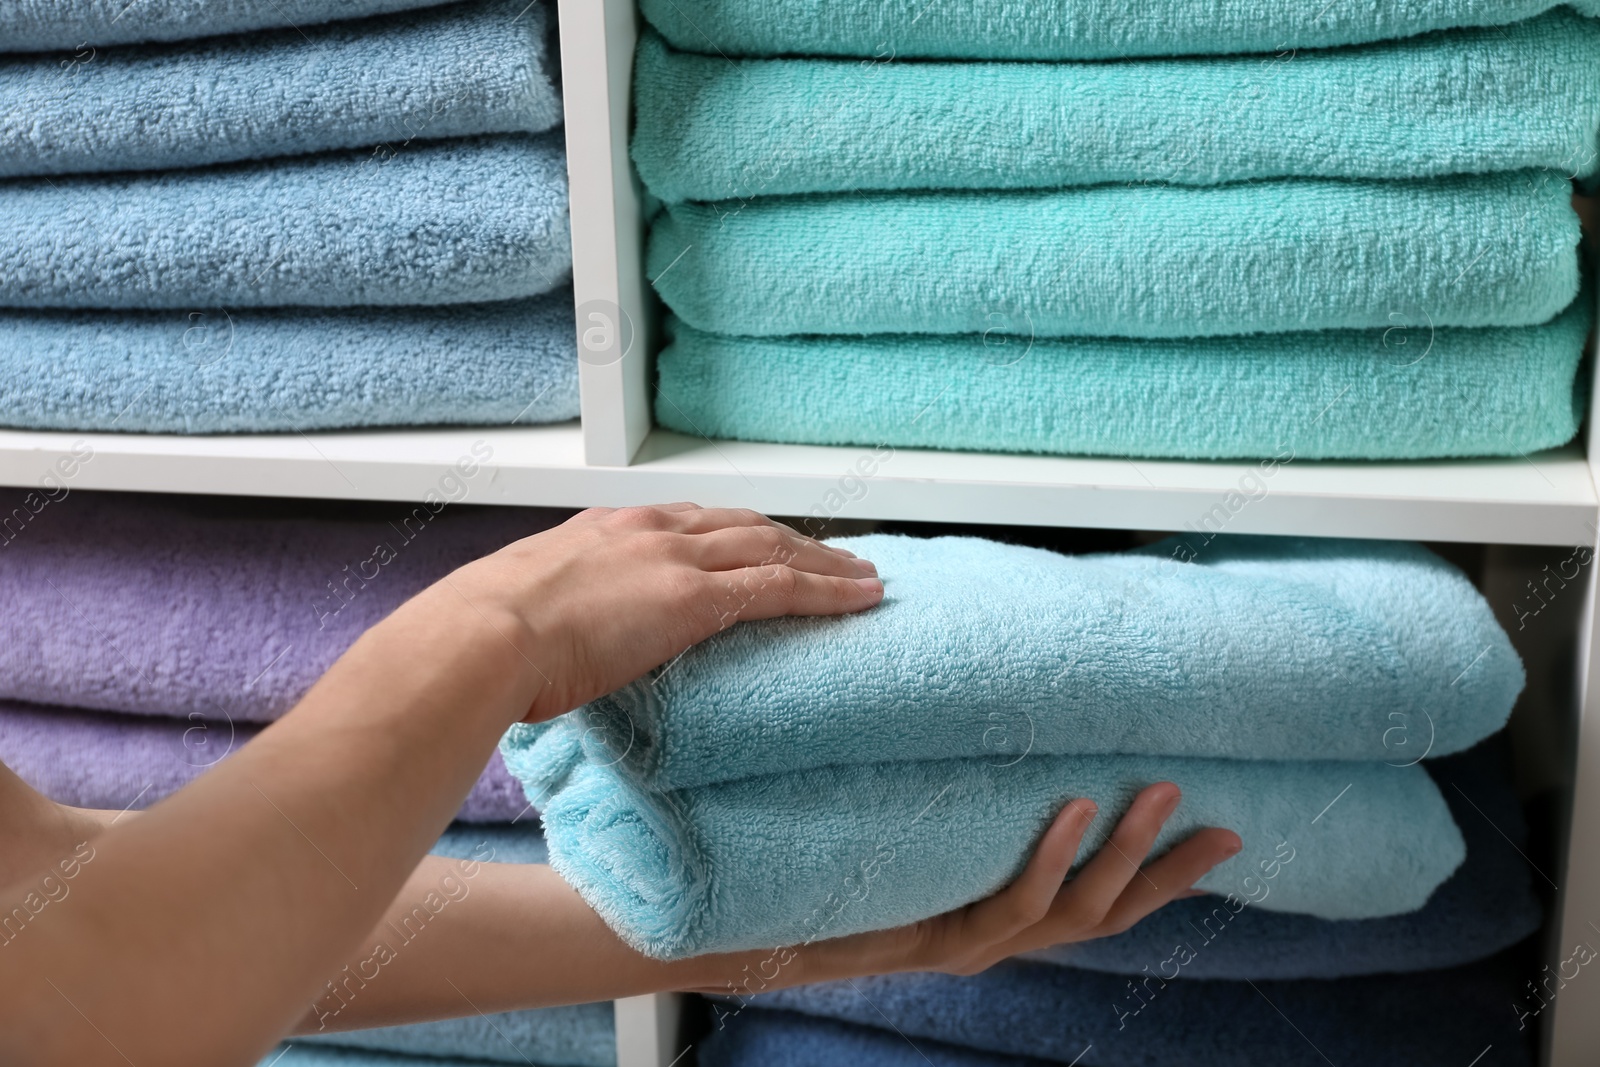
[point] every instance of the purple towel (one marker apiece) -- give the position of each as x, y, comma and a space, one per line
228, 608
113, 762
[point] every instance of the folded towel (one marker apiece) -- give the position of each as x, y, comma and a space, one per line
788, 858
1488, 905
762, 1038
273, 370
1056, 29
1432, 1019
433, 222
110, 762
1127, 260
42, 25
1263, 648
1450, 103
272, 592
298, 1053
469, 68
1332, 394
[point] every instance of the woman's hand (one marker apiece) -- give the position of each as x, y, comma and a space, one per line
612, 593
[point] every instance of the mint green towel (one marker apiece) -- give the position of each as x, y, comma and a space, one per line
884, 30
1465, 102
1405, 392
1127, 260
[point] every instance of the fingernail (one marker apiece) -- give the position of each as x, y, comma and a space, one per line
1171, 805
869, 586
866, 566
1235, 849
1088, 812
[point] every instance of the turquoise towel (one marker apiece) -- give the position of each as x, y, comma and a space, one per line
469, 68
274, 370
884, 30
43, 25
1328, 395
1127, 260
1449, 103
438, 222
1263, 648
786, 858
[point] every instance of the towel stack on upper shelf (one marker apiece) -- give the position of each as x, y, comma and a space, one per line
1075, 227
308, 224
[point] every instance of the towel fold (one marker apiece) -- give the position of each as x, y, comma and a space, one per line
275, 370
1487, 906
110, 762
44, 25
470, 68
1056, 29
1333, 394
789, 858
1262, 648
1127, 260
760, 1037
433, 222
1433, 1019
271, 592
1451, 103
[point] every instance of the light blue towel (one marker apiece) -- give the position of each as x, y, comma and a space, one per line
433, 222
45, 25
470, 68
1262, 648
1331, 394
1127, 260
885, 30
1448, 103
275, 370
787, 858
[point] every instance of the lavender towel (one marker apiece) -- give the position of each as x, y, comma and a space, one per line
226, 608
112, 762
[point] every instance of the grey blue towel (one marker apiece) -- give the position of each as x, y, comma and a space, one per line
272, 591
275, 370
433, 222
1329, 394
1432, 1019
92, 759
1450, 103
886, 30
471, 68
46, 25
761, 1037
1261, 648
1127, 260
789, 858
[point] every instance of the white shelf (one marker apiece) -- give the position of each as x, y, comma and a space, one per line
1547, 498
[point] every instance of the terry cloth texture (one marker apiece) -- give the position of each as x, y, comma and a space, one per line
273, 370
789, 858
263, 597
1488, 905
45, 25
1127, 260
1432, 1018
1321, 395
1055, 29
107, 761
1451, 103
759, 1037
1262, 648
470, 68
434, 222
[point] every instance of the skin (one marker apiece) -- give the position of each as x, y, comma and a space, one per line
224, 912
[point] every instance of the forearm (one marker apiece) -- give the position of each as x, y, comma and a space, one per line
338, 802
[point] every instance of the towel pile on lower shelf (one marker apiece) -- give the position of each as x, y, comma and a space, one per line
356, 223
808, 778
107, 704
1364, 252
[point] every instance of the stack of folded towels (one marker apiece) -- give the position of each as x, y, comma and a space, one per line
105, 703
802, 779
246, 216
1089, 227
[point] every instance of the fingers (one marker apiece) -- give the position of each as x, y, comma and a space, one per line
769, 592
1170, 877
754, 546
1028, 900
1091, 894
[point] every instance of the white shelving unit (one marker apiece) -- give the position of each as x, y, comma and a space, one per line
615, 457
